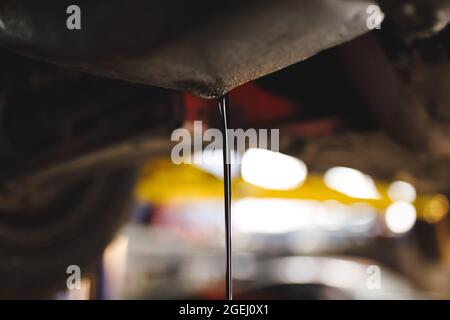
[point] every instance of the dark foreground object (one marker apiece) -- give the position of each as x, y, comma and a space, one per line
200, 46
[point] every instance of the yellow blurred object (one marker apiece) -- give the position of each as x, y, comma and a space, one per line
436, 209
164, 182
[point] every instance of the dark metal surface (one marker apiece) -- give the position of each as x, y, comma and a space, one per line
201, 46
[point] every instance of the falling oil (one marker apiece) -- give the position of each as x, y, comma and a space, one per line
224, 114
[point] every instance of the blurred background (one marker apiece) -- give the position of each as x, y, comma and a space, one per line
296, 235
341, 212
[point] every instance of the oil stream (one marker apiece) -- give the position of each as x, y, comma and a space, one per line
224, 114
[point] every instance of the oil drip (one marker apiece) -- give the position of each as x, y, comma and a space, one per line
223, 108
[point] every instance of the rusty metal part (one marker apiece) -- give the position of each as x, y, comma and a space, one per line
200, 46
377, 155
396, 104
384, 94
129, 153
78, 158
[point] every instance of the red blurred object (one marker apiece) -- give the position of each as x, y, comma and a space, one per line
250, 106
253, 106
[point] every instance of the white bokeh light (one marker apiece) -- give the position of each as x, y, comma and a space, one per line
400, 217
402, 191
212, 162
351, 182
272, 170
277, 216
